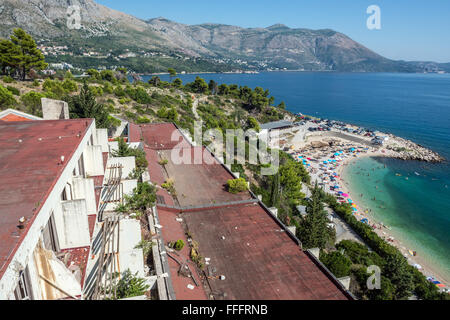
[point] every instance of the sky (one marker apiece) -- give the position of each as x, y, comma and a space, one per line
410, 29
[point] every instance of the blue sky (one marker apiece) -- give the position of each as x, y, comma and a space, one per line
410, 29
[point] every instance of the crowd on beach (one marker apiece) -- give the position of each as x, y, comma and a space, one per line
325, 159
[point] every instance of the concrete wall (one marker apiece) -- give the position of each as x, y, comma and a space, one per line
84, 189
54, 109
74, 231
23, 257
93, 161
101, 139
128, 165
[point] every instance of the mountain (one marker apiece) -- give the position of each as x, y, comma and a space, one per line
109, 37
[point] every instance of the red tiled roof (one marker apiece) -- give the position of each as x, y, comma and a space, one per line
14, 118
30, 165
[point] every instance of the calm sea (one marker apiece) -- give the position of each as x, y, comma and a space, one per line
413, 106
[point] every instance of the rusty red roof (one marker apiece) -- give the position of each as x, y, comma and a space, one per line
259, 260
241, 238
30, 165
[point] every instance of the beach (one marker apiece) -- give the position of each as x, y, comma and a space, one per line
327, 156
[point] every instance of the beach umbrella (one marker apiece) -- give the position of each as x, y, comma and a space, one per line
345, 195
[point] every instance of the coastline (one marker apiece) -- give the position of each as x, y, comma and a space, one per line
428, 268
319, 172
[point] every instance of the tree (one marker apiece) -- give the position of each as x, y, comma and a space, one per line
29, 56
223, 90
213, 87
337, 263
397, 270
178, 83
32, 100
172, 72
275, 194
253, 124
154, 81
199, 85
6, 97
7, 51
85, 106
314, 231
143, 198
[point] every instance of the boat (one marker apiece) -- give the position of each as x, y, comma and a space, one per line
417, 174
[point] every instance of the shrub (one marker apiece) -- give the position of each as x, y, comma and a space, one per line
337, 263
6, 97
70, 85
179, 245
130, 286
13, 90
32, 101
237, 185
8, 79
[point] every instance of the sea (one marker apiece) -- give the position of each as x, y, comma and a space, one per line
411, 197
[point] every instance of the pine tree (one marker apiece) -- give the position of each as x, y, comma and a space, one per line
85, 106
27, 56
275, 196
314, 231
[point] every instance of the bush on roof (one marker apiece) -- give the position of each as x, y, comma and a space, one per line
236, 186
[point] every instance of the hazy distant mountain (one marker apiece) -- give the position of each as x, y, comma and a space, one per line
207, 47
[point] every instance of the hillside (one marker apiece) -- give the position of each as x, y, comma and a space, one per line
109, 38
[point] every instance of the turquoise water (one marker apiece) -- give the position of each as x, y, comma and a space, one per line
402, 200
413, 106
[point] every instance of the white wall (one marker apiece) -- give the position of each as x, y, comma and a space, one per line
74, 231
24, 254
101, 139
85, 189
93, 161
128, 165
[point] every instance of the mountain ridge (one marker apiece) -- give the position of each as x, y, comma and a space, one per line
211, 46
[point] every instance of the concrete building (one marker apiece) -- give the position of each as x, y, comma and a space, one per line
274, 131
236, 248
57, 200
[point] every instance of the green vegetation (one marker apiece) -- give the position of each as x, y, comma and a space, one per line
314, 231
129, 286
400, 279
6, 97
85, 106
19, 55
337, 263
236, 186
177, 245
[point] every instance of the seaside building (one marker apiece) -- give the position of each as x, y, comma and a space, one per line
58, 193
274, 131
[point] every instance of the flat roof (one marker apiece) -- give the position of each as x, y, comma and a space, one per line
202, 184
276, 125
259, 260
257, 256
30, 165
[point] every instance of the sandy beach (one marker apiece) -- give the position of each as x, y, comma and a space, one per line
327, 157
